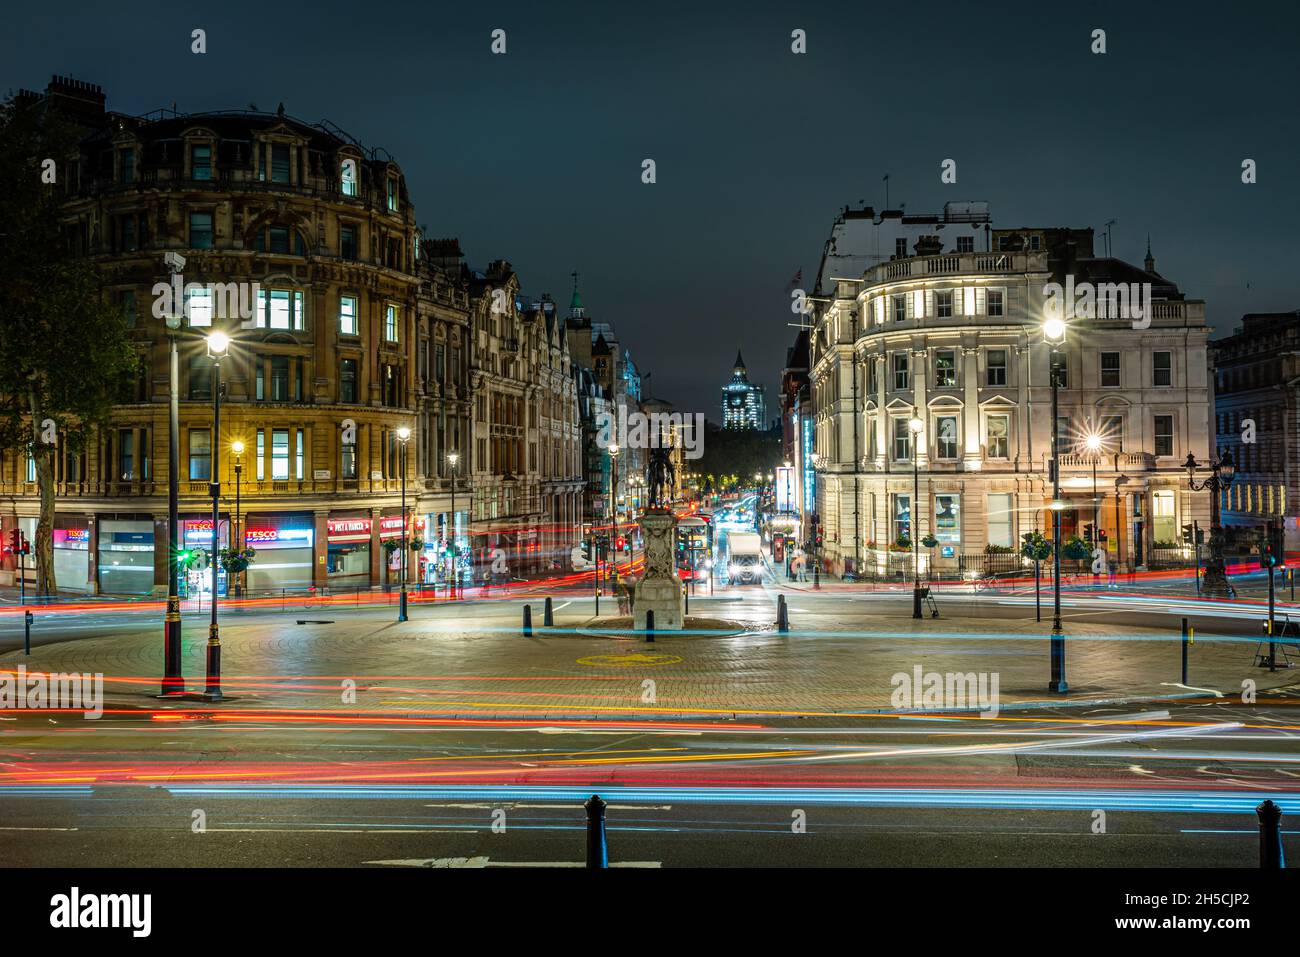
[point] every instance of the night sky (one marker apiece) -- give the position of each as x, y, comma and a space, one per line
535, 156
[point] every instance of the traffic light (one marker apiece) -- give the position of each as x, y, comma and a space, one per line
820, 530
15, 544
1101, 535
27, 544
1187, 534
1272, 551
1087, 534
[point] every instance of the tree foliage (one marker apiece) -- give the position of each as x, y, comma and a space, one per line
64, 352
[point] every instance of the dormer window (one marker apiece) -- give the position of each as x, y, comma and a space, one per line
392, 194
201, 162
348, 177
279, 163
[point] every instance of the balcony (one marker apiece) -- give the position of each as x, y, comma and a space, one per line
953, 264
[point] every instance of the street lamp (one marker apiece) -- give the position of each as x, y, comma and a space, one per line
1054, 333
1215, 583
237, 539
403, 435
1093, 444
613, 497
917, 426
218, 349
173, 682
452, 459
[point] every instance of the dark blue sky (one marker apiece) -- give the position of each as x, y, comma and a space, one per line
535, 156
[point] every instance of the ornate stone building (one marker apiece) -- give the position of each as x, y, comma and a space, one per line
350, 329
915, 322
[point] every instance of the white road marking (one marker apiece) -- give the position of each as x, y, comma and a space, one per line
477, 862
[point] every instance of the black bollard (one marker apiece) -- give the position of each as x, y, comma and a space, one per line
27, 632
817, 574
597, 850
686, 594
782, 615
1270, 836
1185, 651
528, 621
650, 624
548, 616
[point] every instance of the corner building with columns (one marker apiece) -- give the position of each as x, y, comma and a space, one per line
940, 318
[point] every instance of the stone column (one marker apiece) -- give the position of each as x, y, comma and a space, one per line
659, 589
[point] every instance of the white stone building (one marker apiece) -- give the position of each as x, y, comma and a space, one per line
941, 318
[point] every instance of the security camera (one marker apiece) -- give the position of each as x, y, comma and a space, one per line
175, 261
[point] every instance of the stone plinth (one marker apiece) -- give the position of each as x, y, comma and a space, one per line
660, 589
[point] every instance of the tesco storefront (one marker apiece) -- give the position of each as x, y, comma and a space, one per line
285, 549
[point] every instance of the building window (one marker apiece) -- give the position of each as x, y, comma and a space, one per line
281, 309
965, 244
900, 247
993, 302
902, 440
279, 163
943, 303
279, 378
1162, 516
1164, 434
279, 454
200, 230
127, 233
348, 460
348, 315
279, 239
900, 308
348, 177
901, 376
128, 307
348, 242
997, 367
999, 433
1063, 432
126, 454
1110, 370
390, 322
1112, 433
198, 306
201, 162
200, 377
299, 458
200, 455
947, 518
945, 368
128, 165
392, 194
999, 519
348, 381
1061, 367
946, 436
902, 516
1162, 371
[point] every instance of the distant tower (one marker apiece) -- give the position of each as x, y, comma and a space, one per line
1149, 262
743, 405
575, 303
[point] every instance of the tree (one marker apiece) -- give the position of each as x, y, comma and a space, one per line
64, 352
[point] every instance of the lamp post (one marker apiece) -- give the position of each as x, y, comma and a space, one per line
916, 425
452, 459
237, 539
403, 436
218, 349
173, 682
1054, 332
1093, 444
1215, 583
613, 499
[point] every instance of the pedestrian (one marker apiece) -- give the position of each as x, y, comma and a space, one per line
1114, 570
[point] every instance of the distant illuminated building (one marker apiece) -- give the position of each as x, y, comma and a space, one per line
742, 400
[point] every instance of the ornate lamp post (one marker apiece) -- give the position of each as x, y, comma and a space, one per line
218, 349
917, 426
1054, 332
1215, 584
236, 539
452, 459
403, 435
173, 682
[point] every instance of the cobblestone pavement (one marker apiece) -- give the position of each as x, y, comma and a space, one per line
472, 660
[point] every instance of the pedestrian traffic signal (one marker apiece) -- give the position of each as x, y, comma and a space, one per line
1101, 535
14, 545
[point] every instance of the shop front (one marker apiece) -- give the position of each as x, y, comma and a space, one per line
72, 554
196, 541
348, 553
126, 556
284, 546
390, 541
445, 554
